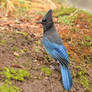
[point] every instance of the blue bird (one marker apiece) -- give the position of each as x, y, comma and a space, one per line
55, 48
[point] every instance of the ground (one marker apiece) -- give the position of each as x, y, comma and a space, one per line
21, 47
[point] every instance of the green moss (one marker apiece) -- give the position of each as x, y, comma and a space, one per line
15, 74
74, 29
86, 41
47, 57
85, 12
64, 11
88, 44
46, 70
82, 75
9, 88
88, 38
84, 81
7, 81
22, 33
60, 12
73, 73
88, 58
15, 48
68, 20
90, 20
38, 42
21, 52
2, 42
25, 50
39, 78
80, 71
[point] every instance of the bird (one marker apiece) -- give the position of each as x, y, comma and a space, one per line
54, 46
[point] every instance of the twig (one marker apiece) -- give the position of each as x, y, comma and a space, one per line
53, 6
74, 12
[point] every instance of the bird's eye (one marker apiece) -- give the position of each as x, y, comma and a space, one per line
44, 20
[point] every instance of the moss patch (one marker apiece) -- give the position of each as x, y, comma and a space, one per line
64, 11
84, 12
82, 75
87, 41
2, 42
68, 20
46, 70
47, 57
22, 33
12, 74
88, 38
80, 71
84, 81
15, 48
9, 88
87, 44
15, 74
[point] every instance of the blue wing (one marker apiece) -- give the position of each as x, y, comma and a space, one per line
58, 52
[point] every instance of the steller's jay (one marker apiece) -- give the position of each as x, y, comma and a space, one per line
55, 48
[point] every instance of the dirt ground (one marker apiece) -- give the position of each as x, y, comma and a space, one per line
21, 47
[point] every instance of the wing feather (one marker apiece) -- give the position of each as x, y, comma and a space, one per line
58, 52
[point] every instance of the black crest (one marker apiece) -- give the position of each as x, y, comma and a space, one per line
47, 21
48, 16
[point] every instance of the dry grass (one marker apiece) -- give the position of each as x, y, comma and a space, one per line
8, 7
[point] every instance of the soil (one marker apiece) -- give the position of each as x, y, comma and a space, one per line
21, 47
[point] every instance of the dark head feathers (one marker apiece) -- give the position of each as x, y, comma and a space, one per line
48, 16
47, 21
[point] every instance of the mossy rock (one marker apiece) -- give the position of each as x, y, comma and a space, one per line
64, 11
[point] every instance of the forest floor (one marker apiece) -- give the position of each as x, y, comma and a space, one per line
21, 49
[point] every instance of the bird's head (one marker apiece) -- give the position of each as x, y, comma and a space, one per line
47, 21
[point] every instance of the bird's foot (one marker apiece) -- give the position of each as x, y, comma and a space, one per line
52, 67
55, 66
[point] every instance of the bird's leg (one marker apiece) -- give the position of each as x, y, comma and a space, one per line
55, 65
52, 64
57, 68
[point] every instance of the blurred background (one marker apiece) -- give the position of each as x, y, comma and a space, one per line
24, 64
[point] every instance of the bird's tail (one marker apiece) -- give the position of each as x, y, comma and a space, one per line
66, 77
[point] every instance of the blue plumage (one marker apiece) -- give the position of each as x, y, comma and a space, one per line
55, 48
56, 51
66, 77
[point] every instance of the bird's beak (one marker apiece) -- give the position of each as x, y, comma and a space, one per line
39, 22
